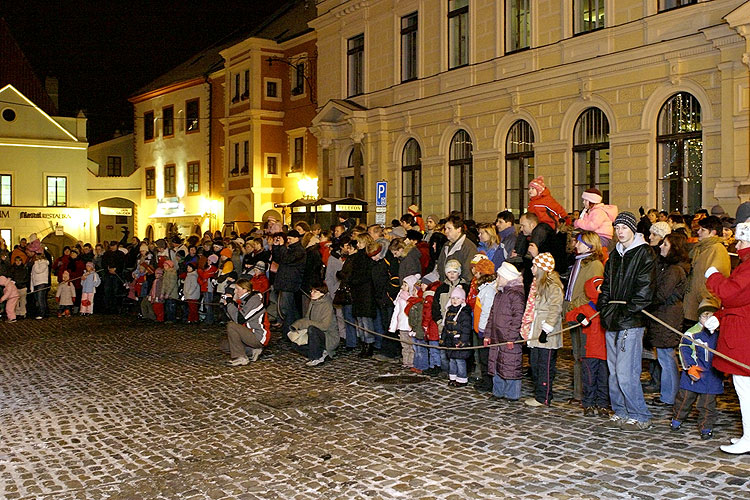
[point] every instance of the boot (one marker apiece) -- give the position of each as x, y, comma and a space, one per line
742, 445
484, 384
367, 350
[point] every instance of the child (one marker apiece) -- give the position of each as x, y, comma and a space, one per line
259, 279
699, 382
155, 295
66, 295
90, 281
192, 291
484, 272
400, 320
415, 311
503, 325
170, 291
10, 297
542, 316
594, 362
457, 332
430, 328
248, 326
205, 280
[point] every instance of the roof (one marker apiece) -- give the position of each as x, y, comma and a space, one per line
286, 23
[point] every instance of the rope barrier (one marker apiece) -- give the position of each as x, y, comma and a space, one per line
27, 292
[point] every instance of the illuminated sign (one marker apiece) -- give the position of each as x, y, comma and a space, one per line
128, 212
349, 208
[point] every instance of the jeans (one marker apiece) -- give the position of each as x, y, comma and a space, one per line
624, 350
316, 342
434, 355
670, 376
362, 323
508, 389
595, 387
378, 327
208, 308
288, 308
40, 294
351, 329
170, 309
421, 355
458, 370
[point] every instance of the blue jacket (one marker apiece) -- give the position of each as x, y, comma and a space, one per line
90, 283
711, 381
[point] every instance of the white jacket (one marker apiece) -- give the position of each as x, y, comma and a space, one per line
400, 320
40, 273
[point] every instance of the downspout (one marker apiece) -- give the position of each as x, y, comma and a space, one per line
210, 134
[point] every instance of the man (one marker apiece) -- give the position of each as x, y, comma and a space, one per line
291, 260
114, 262
627, 278
458, 247
506, 232
742, 215
414, 237
430, 225
709, 251
20, 251
408, 222
539, 238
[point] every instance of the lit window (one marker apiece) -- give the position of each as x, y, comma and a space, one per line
170, 181
589, 15
518, 14
114, 166
194, 177
6, 190
6, 235
272, 165
458, 33
57, 191
591, 154
356, 64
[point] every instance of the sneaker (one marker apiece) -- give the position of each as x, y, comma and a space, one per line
589, 412
615, 422
238, 361
533, 403
316, 362
707, 434
675, 426
741, 446
11, 321
460, 384
256, 354
38, 317
633, 425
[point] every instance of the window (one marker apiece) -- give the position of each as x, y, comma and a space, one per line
148, 125
193, 177
458, 33
57, 191
298, 82
246, 89
409, 25
298, 158
518, 14
6, 235
272, 165
519, 166
167, 117
411, 175
121, 220
673, 4
272, 89
245, 157
150, 182
236, 170
356, 64
236, 97
114, 166
461, 174
192, 122
679, 141
591, 154
169, 180
348, 187
589, 15
6, 190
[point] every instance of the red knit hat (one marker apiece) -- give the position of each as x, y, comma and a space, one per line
485, 266
538, 184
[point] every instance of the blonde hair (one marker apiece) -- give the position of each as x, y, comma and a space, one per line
490, 231
364, 239
592, 240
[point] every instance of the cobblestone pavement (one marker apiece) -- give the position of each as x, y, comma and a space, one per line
110, 407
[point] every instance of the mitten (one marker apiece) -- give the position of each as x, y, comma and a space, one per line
711, 270
712, 324
694, 372
582, 319
542, 338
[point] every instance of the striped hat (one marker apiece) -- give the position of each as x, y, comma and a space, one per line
538, 184
545, 261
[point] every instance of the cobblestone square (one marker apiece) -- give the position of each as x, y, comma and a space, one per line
113, 407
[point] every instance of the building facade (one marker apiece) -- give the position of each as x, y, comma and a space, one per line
459, 103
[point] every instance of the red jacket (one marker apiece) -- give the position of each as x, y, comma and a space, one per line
260, 283
424, 257
204, 275
734, 336
547, 208
428, 324
596, 346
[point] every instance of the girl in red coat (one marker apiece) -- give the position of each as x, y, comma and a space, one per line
734, 337
543, 204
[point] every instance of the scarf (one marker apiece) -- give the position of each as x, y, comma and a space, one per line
574, 275
528, 313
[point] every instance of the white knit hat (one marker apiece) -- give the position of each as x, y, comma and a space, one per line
545, 261
508, 271
453, 265
742, 232
660, 229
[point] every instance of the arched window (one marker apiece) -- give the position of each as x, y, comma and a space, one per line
347, 188
591, 154
519, 166
460, 174
411, 175
680, 143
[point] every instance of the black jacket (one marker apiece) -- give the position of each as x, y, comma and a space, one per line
291, 260
386, 284
628, 278
357, 275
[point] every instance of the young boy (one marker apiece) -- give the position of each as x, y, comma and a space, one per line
699, 382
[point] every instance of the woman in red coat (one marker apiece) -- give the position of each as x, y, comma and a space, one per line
734, 336
543, 204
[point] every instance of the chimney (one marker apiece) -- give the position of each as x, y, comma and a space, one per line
51, 85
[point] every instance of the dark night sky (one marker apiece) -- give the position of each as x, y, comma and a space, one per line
104, 51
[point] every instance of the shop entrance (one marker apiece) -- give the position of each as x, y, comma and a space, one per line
55, 243
115, 215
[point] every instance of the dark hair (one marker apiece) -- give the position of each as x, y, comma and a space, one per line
507, 216
304, 225
408, 218
702, 211
652, 211
712, 223
414, 235
676, 218
321, 287
457, 221
678, 251
663, 212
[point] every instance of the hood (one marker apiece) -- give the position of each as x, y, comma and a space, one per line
4, 281
610, 210
590, 287
637, 241
543, 194
701, 245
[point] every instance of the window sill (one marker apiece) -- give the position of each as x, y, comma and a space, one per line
458, 67
581, 33
516, 51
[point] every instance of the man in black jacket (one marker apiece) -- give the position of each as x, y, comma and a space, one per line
288, 282
627, 278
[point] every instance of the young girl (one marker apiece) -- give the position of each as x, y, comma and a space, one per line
90, 280
170, 291
192, 291
400, 320
10, 297
155, 295
542, 316
503, 325
40, 284
66, 295
457, 331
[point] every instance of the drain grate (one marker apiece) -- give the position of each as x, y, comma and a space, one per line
400, 379
281, 400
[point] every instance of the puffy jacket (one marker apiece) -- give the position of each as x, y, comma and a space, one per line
669, 290
291, 260
40, 273
548, 309
704, 254
249, 311
170, 285
320, 314
400, 318
9, 289
598, 219
627, 277
428, 324
504, 325
90, 282
482, 306
442, 299
593, 333
191, 288
457, 331
691, 354
546, 208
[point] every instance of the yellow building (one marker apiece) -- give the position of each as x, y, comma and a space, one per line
459, 103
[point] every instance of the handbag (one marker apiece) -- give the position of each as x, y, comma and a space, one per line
343, 296
298, 337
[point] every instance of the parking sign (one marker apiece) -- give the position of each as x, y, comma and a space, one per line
381, 190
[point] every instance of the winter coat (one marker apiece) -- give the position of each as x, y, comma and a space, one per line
504, 325
359, 280
90, 282
488, 251
414, 311
691, 354
154, 294
429, 326
190, 288
320, 314
60, 266
734, 293
669, 289
20, 275
482, 306
593, 334
441, 301
291, 260
548, 309
704, 254
627, 277
313, 272
76, 267
409, 263
40, 273
598, 219
462, 250
250, 312
260, 283
457, 331
334, 266
9, 289
587, 269
546, 208
508, 238
66, 292
170, 285
399, 318
383, 282
204, 278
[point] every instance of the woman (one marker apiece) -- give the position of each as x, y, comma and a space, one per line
320, 323
672, 268
40, 284
589, 262
357, 275
60, 265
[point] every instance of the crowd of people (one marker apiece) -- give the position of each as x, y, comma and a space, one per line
446, 296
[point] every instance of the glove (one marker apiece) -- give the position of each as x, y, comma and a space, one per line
412, 334
641, 211
711, 270
712, 324
543, 338
546, 328
582, 319
694, 372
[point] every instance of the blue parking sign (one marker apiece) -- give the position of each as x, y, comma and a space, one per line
381, 190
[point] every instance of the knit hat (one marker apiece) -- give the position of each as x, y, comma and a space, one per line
477, 257
545, 261
592, 195
168, 264
742, 232
412, 279
538, 184
293, 234
485, 266
453, 265
398, 232
508, 271
213, 258
413, 209
660, 229
718, 211
706, 307
226, 252
626, 219
433, 218
743, 212
260, 266
458, 293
